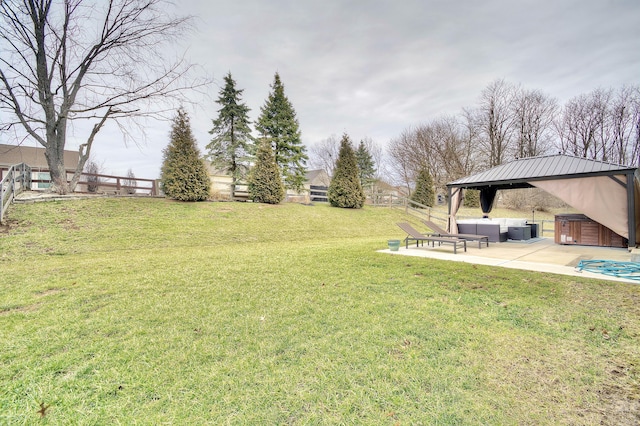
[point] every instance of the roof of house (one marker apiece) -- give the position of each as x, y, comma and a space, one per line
318, 177
518, 172
34, 157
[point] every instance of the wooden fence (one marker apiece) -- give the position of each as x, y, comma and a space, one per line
15, 180
99, 183
21, 177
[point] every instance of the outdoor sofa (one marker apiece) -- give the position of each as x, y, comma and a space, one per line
440, 232
498, 230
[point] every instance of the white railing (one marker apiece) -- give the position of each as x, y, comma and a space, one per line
15, 180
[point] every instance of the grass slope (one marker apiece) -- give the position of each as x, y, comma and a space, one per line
147, 311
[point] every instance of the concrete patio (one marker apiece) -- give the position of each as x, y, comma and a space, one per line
541, 255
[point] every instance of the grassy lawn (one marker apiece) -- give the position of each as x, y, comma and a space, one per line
147, 311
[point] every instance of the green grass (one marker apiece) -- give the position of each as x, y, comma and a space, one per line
146, 311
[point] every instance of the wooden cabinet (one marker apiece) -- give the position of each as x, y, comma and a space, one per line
580, 230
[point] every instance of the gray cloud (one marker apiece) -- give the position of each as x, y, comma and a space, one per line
374, 68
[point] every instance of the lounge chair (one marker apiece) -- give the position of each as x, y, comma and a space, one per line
437, 231
415, 235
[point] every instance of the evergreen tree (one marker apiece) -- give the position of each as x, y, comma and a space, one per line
184, 174
232, 141
279, 124
265, 183
345, 189
366, 165
471, 198
424, 192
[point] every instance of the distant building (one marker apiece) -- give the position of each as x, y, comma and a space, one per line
382, 192
34, 157
317, 183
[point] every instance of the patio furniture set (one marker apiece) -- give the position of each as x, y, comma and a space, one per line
499, 230
481, 231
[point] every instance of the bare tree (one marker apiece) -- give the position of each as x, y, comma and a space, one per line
582, 126
92, 172
69, 60
323, 155
455, 149
444, 147
402, 159
130, 182
533, 114
635, 153
624, 122
495, 120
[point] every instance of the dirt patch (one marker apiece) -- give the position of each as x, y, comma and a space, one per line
22, 309
8, 226
619, 397
48, 292
69, 224
618, 406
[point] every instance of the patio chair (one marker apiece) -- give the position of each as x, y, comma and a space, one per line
419, 238
437, 231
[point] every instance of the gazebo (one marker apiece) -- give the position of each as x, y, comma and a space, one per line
605, 192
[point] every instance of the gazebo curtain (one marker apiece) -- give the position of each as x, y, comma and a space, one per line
601, 198
487, 197
454, 203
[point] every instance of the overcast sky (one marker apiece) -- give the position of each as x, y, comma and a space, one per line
373, 68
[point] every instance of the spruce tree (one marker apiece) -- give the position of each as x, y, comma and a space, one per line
424, 192
366, 165
279, 124
265, 183
471, 198
232, 142
184, 174
345, 189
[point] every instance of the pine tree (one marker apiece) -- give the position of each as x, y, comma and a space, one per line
265, 183
232, 141
471, 198
345, 189
424, 192
279, 124
366, 165
184, 174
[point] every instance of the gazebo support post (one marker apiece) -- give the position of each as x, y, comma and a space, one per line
449, 209
631, 210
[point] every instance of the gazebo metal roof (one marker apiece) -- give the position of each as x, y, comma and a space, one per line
518, 173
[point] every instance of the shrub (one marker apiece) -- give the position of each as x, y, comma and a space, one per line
265, 184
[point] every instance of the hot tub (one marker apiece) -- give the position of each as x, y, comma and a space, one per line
578, 229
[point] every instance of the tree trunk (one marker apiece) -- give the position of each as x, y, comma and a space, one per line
55, 160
